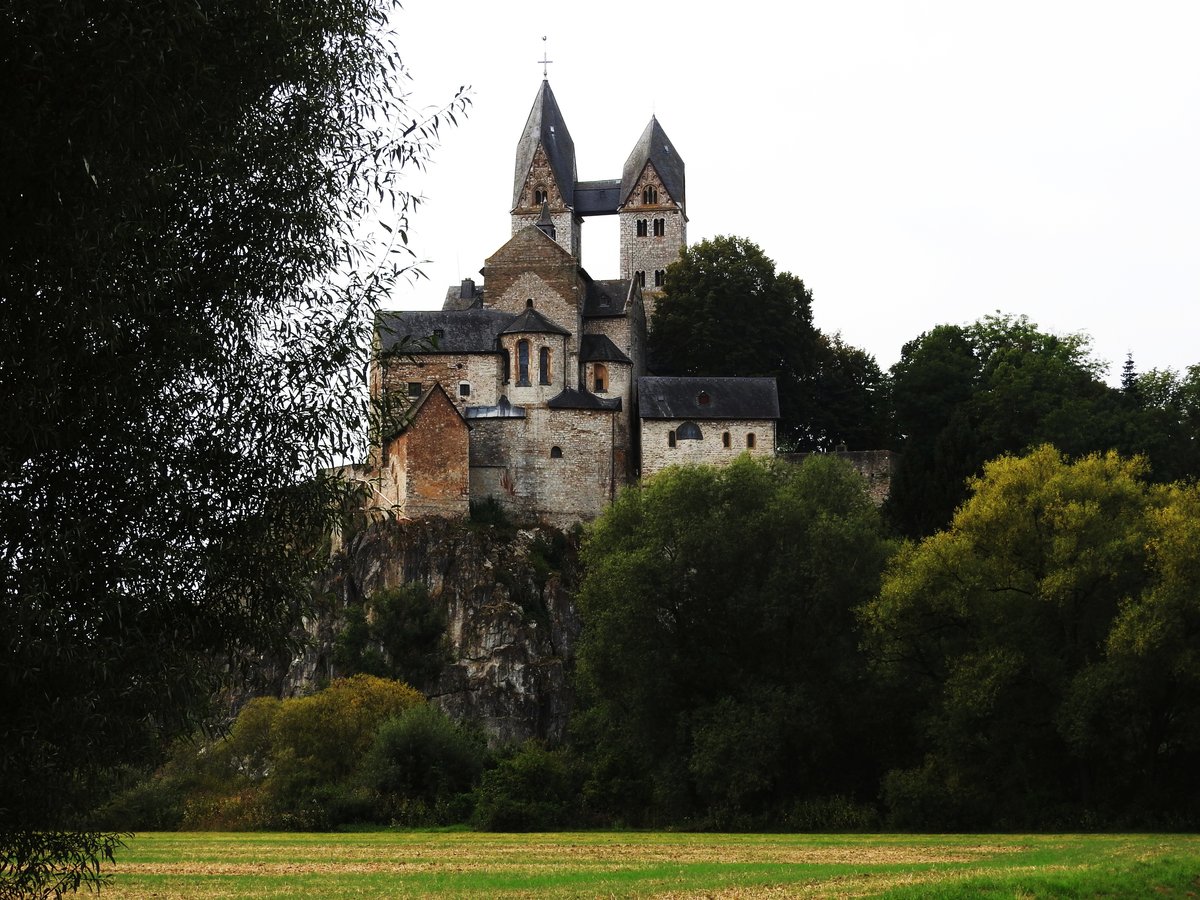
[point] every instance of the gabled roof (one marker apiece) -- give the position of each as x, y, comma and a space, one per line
570, 398
600, 348
410, 414
654, 147
532, 322
545, 126
703, 397
606, 298
440, 331
530, 239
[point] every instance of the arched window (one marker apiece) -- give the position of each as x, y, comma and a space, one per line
523, 363
689, 431
660, 277
641, 227
660, 227
725, 442
670, 438
750, 440
544, 365
506, 365
556, 452
650, 194
641, 278
540, 196
599, 377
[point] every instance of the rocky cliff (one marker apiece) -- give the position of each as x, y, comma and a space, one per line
510, 623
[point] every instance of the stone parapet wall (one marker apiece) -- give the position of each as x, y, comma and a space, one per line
657, 453
875, 466
513, 460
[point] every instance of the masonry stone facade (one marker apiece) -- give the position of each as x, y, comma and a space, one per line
532, 388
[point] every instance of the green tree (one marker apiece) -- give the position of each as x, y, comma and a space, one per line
1163, 421
183, 307
725, 310
1040, 638
396, 633
719, 664
963, 396
422, 760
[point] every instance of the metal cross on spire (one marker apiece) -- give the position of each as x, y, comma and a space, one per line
545, 62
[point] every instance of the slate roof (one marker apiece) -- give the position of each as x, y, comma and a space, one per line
545, 125
467, 331
466, 295
600, 348
654, 146
728, 398
598, 198
605, 298
532, 322
502, 410
573, 399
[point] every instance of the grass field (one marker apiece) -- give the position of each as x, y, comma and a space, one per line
602, 864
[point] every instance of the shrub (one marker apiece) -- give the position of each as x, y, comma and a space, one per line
535, 789
422, 757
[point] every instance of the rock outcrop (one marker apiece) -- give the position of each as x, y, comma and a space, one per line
511, 624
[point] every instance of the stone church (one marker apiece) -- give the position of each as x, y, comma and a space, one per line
531, 388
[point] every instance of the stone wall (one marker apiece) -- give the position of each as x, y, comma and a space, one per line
530, 265
657, 452
563, 353
481, 372
514, 461
651, 253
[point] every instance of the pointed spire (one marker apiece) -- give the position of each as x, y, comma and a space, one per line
654, 147
544, 222
545, 126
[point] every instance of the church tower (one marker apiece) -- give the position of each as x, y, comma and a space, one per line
653, 211
545, 175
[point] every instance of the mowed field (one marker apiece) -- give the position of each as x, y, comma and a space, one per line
605, 864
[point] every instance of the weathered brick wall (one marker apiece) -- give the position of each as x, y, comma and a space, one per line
554, 296
511, 460
438, 476
532, 265
657, 453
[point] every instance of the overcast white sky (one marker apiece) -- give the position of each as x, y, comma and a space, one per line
915, 163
